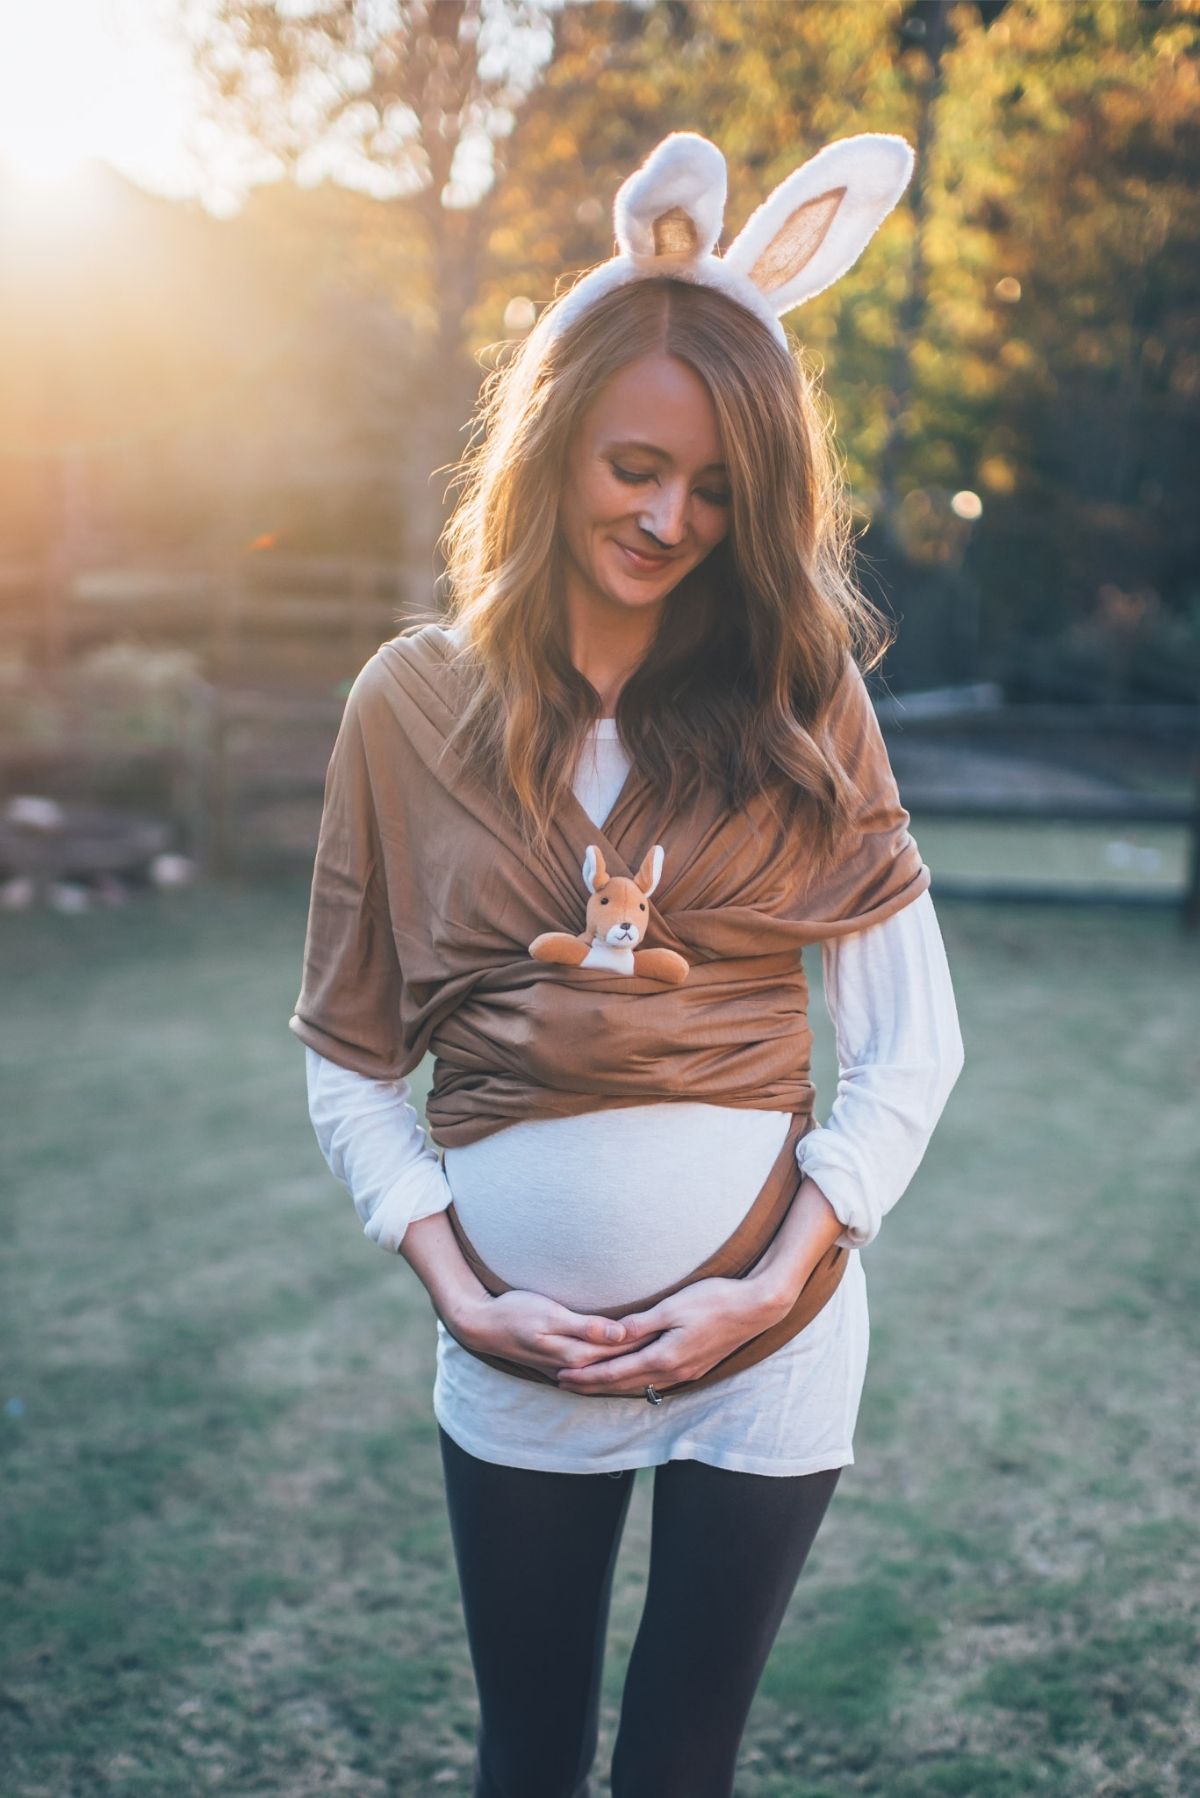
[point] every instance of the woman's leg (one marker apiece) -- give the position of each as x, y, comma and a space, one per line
535, 1555
726, 1552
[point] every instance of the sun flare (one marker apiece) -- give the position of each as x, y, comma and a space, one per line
85, 80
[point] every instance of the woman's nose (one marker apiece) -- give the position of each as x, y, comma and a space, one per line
666, 517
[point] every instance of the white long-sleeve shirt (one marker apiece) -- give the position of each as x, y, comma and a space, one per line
616, 1203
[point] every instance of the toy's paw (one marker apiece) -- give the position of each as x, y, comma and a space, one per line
660, 964
557, 946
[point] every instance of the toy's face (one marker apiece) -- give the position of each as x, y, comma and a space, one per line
618, 914
645, 494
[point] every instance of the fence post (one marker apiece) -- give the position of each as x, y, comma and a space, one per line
221, 844
225, 617
55, 583
361, 613
1191, 897
190, 762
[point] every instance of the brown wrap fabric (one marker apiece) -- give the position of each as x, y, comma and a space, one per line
424, 903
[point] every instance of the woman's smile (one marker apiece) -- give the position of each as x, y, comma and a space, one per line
641, 563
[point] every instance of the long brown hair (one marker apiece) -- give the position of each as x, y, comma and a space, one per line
751, 643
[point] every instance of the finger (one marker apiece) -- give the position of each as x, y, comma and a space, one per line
640, 1324
550, 1354
633, 1370
591, 1329
571, 1352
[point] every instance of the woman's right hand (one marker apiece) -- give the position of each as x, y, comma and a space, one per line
537, 1331
517, 1326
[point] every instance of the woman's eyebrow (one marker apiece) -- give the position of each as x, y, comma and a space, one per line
653, 449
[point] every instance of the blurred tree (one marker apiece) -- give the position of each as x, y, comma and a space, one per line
770, 84
418, 96
1014, 362
1059, 361
413, 101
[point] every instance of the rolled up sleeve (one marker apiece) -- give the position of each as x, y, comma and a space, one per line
900, 1051
374, 1144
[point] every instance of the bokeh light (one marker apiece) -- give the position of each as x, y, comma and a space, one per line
519, 314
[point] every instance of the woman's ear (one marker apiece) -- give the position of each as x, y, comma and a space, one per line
595, 874
817, 222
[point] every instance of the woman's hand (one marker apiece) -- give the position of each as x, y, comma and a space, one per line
517, 1326
537, 1331
683, 1336
680, 1338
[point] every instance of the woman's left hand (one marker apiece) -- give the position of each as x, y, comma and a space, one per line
688, 1333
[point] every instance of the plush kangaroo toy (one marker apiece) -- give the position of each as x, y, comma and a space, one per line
617, 916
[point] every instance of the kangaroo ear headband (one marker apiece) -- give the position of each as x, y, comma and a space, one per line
803, 238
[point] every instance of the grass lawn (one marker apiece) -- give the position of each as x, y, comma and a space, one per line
1107, 857
225, 1561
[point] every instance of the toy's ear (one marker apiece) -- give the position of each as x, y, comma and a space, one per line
650, 872
595, 874
820, 218
673, 205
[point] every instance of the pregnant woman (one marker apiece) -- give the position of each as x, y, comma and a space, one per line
641, 1247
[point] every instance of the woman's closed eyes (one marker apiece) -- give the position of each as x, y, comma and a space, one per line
632, 479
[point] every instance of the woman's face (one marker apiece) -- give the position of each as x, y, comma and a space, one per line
645, 495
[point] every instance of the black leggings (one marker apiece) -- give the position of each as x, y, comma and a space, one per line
536, 1554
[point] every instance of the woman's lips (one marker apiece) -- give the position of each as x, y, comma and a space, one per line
644, 564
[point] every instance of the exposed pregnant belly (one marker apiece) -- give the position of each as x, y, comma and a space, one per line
606, 1208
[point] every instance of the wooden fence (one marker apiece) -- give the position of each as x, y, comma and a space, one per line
247, 758
981, 713
236, 791
243, 614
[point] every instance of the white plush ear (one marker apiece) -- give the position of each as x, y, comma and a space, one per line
820, 218
674, 204
594, 872
650, 872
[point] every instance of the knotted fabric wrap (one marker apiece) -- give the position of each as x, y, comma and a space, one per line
424, 903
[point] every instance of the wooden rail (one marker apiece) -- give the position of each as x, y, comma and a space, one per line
211, 794
1135, 809
222, 606
983, 715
